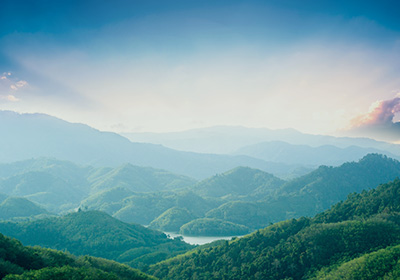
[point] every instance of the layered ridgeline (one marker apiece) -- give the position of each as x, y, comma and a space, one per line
59, 186
279, 151
311, 193
238, 139
38, 135
97, 234
245, 197
355, 239
20, 262
242, 198
169, 211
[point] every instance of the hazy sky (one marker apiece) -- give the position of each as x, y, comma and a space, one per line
316, 66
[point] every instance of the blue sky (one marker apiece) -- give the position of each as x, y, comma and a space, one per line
316, 66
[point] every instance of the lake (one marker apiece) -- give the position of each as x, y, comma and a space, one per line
199, 240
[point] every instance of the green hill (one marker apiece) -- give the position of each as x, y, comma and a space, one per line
140, 179
18, 207
239, 182
172, 219
60, 186
311, 193
20, 262
212, 227
143, 208
96, 234
305, 248
46, 189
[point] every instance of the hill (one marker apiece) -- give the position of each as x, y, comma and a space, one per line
143, 208
340, 241
212, 227
239, 182
59, 186
172, 219
17, 207
38, 135
140, 179
312, 193
21, 262
96, 234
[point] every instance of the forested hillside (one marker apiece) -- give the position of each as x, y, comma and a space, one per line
18, 262
339, 242
311, 193
97, 234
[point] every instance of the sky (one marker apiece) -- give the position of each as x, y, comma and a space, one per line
321, 67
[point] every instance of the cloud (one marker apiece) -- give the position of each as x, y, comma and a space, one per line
10, 85
10, 98
379, 122
381, 112
18, 85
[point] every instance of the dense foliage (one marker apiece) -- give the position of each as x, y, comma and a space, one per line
312, 193
59, 186
20, 262
212, 227
172, 219
97, 234
243, 196
241, 182
332, 244
13, 207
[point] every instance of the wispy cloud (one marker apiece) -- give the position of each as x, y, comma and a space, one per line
9, 97
9, 86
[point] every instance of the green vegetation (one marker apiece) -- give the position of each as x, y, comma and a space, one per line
17, 207
382, 264
243, 196
60, 186
312, 193
97, 234
20, 262
172, 219
212, 227
143, 208
140, 179
239, 182
359, 236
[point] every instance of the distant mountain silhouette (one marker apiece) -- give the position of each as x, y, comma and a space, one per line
228, 139
37, 135
278, 151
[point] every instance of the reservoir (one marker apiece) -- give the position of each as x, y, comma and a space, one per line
198, 240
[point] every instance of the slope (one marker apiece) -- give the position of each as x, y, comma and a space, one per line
303, 248
20, 262
97, 234
140, 179
312, 193
239, 182
18, 207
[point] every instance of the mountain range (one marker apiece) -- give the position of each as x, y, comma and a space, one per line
55, 138
240, 200
230, 139
293, 155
